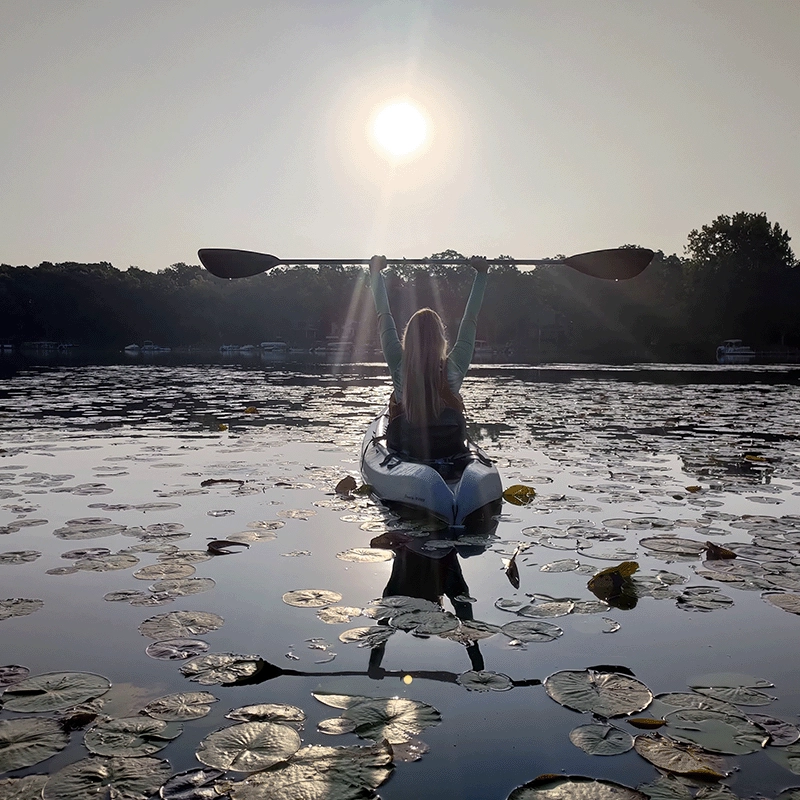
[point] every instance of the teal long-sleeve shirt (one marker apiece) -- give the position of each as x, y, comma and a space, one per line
460, 356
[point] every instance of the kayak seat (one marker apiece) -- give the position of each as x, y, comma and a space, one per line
445, 439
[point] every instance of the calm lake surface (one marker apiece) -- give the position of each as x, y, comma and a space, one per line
150, 460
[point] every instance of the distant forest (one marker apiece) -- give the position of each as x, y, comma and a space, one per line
738, 278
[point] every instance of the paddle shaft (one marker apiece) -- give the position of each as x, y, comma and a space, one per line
492, 262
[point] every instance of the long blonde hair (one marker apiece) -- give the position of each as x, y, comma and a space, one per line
424, 373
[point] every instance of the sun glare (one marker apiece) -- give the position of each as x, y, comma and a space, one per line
400, 129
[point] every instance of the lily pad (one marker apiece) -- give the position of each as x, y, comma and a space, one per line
27, 788
372, 636
601, 740
715, 731
532, 631
673, 545
519, 494
787, 757
155, 572
87, 552
471, 630
130, 736
176, 649
574, 787
221, 668
311, 598
781, 733
680, 758
194, 784
19, 556
606, 694
122, 778
180, 624
334, 615
249, 746
784, 600
703, 599
320, 773
394, 719
365, 555
737, 695
108, 563
18, 607
269, 712
336, 726
29, 740
431, 623
485, 681
80, 531
54, 690
183, 586
12, 673
185, 705
547, 610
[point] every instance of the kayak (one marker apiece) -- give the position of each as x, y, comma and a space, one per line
456, 490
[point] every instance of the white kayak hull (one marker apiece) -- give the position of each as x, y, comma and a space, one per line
411, 483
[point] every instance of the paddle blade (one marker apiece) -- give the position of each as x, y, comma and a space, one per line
235, 263
619, 264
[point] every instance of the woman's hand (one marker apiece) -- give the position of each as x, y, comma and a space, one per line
479, 263
376, 264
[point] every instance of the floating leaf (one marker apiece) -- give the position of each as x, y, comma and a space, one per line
184, 586
19, 556
553, 608
372, 636
176, 649
646, 723
297, 513
180, 624
703, 599
221, 668
185, 705
154, 572
130, 736
29, 740
715, 731
484, 681
346, 485
601, 740
98, 530
393, 719
563, 565
673, 545
320, 773
471, 630
54, 690
574, 787
680, 758
606, 694
737, 695
365, 555
108, 563
87, 552
12, 673
27, 788
269, 712
729, 679
311, 598
431, 623
786, 601
715, 552
18, 607
125, 596
123, 778
339, 700
194, 784
531, 631
519, 495
335, 615
249, 746
336, 726
781, 733
787, 757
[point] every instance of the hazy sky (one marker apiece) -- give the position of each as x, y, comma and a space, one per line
136, 131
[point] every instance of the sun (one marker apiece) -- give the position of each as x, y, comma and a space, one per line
400, 129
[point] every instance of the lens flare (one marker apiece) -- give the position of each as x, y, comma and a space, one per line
400, 129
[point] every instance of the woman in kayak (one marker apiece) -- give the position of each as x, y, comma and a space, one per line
426, 413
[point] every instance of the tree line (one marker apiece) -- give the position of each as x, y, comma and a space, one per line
738, 277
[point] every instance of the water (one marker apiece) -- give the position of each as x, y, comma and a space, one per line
615, 456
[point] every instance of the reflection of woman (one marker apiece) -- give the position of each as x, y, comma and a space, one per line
426, 411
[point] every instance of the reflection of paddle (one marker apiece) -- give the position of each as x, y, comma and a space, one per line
616, 264
267, 671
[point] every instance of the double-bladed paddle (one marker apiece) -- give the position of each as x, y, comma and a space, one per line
617, 264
